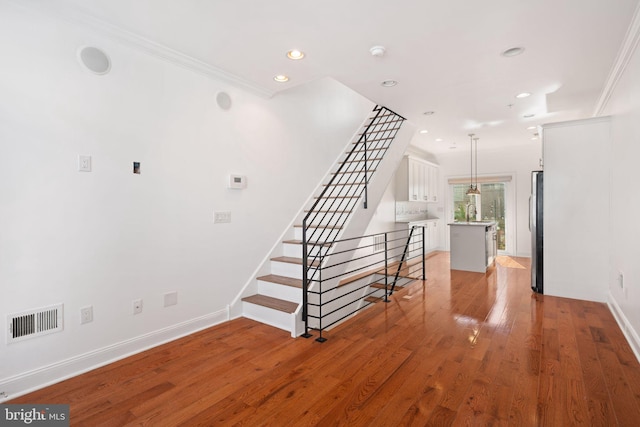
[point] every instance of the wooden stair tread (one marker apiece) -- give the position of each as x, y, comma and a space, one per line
282, 280
330, 211
292, 260
299, 242
381, 286
274, 303
370, 149
362, 160
377, 270
346, 184
373, 299
337, 197
327, 227
359, 171
358, 276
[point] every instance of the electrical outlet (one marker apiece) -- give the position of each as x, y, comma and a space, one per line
137, 306
86, 315
84, 163
221, 217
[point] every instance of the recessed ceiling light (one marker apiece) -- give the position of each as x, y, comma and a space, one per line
281, 78
532, 127
389, 83
377, 51
429, 113
523, 95
514, 51
438, 139
295, 54
528, 116
534, 138
423, 131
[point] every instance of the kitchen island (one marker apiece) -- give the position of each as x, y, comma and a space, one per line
472, 245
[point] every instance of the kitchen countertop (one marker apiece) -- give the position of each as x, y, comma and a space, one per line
407, 221
482, 223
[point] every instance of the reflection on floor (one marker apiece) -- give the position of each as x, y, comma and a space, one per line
509, 262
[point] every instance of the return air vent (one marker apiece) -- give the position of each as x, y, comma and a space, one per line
34, 323
378, 243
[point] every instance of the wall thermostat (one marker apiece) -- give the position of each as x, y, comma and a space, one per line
237, 182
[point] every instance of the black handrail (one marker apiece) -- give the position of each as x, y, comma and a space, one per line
347, 185
404, 256
334, 301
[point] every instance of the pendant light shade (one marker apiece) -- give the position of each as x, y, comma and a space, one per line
473, 189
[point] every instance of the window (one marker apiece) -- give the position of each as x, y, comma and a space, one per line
494, 203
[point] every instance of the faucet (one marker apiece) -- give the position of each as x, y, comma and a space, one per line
475, 212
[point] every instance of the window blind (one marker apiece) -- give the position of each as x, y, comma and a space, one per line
481, 179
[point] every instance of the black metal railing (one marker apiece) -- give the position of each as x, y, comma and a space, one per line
360, 272
323, 222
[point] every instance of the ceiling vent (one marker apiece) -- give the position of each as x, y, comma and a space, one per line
34, 323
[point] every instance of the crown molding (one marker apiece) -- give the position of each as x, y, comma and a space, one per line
83, 19
625, 53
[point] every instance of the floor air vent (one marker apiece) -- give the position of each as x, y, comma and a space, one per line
34, 323
378, 243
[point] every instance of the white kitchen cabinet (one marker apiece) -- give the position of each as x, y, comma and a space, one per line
431, 234
472, 245
417, 181
434, 183
434, 234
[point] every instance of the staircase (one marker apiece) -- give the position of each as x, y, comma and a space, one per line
280, 297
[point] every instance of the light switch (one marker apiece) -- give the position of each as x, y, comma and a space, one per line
221, 217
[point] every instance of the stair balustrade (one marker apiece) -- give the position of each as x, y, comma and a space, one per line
362, 271
332, 208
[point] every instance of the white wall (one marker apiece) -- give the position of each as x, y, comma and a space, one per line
107, 237
624, 107
517, 161
576, 208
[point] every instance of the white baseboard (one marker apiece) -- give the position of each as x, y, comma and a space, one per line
627, 329
27, 382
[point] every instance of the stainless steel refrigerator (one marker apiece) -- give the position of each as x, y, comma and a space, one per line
536, 228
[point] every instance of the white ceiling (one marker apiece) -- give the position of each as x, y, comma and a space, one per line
445, 54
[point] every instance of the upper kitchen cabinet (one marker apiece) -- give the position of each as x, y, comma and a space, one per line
417, 181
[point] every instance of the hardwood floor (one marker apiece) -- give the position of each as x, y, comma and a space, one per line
457, 349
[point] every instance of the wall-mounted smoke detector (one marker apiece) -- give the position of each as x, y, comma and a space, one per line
377, 51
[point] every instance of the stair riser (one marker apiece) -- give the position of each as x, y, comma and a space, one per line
317, 234
295, 250
331, 218
286, 269
288, 293
275, 318
344, 190
378, 293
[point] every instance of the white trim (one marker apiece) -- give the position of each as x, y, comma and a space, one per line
625, 53
578, 122
81, 18
627, 329
27, 382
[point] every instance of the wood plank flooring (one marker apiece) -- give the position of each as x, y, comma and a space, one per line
460, 348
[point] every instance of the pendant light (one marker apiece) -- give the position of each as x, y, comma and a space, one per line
473, 189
